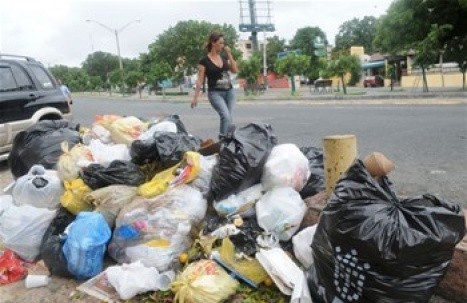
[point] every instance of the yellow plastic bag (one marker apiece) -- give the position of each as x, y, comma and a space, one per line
126, 130
203, 282
106, 120
251, 269
73, 197
70, 162
184, 172
110, 199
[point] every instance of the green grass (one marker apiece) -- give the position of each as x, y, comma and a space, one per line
244, 294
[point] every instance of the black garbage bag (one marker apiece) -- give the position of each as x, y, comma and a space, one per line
245, 240
143, 152
52, 243
118, 172
242, 156
165, 147
41, 144
315, 183
370, 246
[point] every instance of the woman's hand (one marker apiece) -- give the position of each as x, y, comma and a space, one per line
194, 103
233, 65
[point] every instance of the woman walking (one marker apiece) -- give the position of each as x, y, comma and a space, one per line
216, 69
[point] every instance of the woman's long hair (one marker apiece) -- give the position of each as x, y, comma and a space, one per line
213, 38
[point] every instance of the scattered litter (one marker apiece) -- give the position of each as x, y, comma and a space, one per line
33, 281
11, 268
132, 279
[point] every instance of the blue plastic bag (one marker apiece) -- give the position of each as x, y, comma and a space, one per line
85, 245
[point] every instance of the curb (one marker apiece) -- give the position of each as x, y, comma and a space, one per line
399, 99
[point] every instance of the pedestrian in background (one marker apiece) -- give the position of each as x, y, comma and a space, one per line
65, 91
215, 68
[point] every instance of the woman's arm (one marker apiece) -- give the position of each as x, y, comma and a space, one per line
199, 83
231, 60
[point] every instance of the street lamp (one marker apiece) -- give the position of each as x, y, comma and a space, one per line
116, 32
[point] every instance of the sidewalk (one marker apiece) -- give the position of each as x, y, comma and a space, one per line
355, 95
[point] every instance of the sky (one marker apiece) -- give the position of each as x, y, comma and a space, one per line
56, 32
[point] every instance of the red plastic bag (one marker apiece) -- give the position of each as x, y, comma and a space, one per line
11, 268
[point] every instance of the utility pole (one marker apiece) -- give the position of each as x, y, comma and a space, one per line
116, 32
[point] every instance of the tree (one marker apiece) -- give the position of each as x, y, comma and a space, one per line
114, 78
95, 83
132, 78
292, 65
408, 22
304, 40
427, 50
187, 39
159, 72
274, 45
456, 50
74, 77
357, 32
250, 70
100, 64
341, 66
428, 26
405, 24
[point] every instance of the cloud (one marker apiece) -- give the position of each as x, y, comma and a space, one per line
55, 32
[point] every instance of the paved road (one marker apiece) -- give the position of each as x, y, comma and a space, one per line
427, 143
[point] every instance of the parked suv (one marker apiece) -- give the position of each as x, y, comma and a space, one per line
28, 93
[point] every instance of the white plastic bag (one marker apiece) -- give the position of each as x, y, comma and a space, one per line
203, 180
164, 126
162, 258
144, 224
302, 246
280, 212
285, 273
104, 154
39, 188
286, 166
6, 201
225, 231
132, 279
242, 203
22, 228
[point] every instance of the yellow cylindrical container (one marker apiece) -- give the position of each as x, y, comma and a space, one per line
340, 151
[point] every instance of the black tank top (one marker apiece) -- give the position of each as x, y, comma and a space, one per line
218, 77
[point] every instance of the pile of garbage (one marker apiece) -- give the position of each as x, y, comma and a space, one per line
198, 218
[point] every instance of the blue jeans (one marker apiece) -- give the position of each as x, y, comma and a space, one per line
223, 102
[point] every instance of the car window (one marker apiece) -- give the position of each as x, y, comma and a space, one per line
43, 78
22, 79
7, 81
